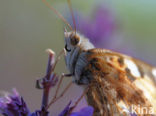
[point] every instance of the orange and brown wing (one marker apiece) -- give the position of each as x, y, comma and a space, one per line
118, 83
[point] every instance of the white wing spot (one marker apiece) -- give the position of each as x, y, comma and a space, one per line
154, 72
132, 67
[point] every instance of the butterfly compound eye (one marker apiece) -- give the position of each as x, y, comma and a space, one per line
75, 40
67, 49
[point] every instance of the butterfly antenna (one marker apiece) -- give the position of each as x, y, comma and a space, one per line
57, 13
73, 18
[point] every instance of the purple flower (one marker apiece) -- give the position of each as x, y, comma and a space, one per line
86, 111
133, 114
66, 110
13, 105
100, 28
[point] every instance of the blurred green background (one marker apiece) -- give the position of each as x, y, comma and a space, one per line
29, 27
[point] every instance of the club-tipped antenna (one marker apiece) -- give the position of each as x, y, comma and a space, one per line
73, 18
57, 13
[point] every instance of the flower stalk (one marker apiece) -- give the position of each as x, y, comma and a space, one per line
51, 61
14, 105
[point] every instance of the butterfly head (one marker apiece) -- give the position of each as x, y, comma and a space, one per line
75, 44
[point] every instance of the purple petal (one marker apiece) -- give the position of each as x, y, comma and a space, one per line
13, 105
100, 29
87, 111
66, 110
133, 114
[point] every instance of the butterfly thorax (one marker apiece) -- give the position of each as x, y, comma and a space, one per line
76, 48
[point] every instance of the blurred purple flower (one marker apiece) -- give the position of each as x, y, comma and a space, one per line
86, 111
133, 114
66, 110
13, 105
102, 30
99, 29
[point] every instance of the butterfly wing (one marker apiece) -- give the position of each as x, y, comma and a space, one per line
119, 83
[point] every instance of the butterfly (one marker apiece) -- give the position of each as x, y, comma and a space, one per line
117, 84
